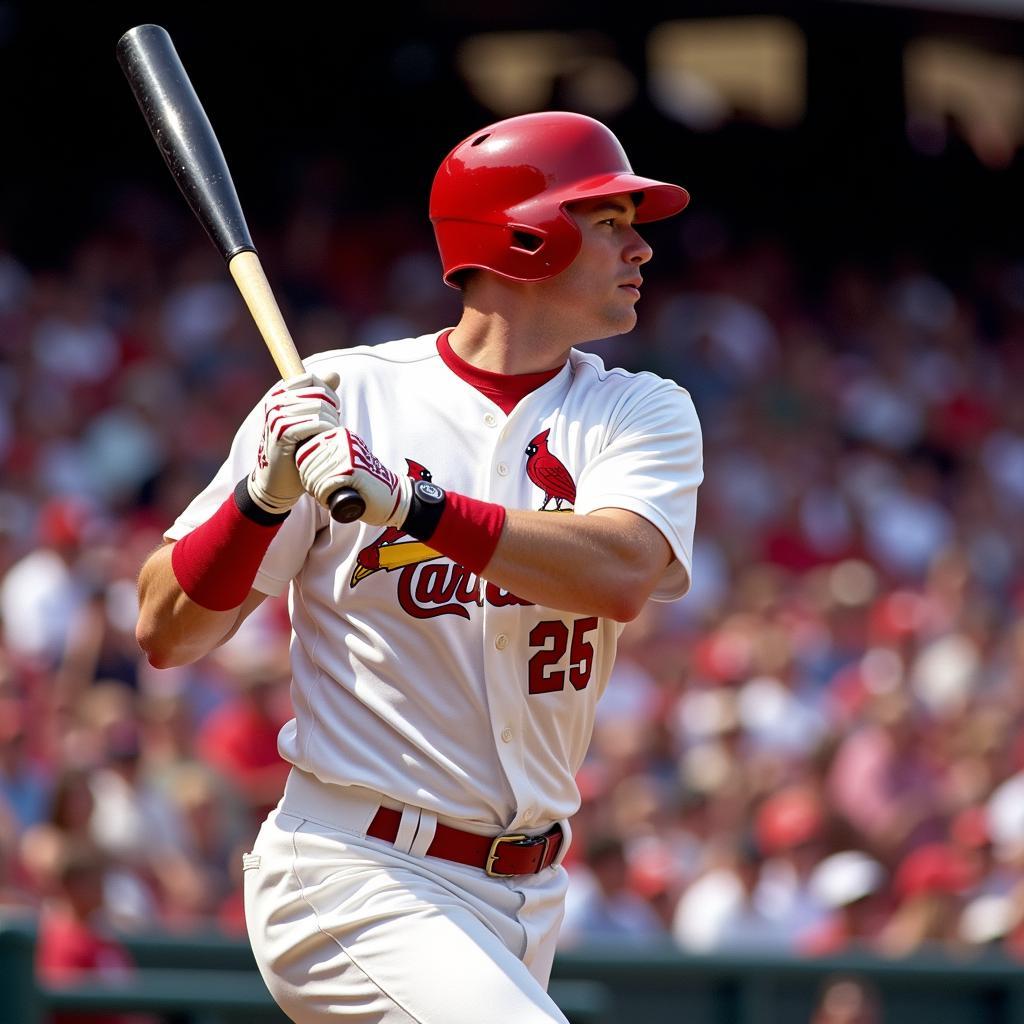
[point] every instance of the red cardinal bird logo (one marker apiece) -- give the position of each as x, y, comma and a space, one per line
386, 552
548, 473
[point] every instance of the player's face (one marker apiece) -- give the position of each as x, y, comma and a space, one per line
602, 285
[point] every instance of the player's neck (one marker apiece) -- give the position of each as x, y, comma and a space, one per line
497, 342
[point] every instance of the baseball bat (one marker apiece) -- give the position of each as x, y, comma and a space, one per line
186, 139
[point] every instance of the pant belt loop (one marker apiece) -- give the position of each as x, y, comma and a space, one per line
424, 834
407, 829
566, 842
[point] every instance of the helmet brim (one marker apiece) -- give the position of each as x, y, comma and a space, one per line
660, 199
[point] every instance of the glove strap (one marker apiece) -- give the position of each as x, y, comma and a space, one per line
216, 564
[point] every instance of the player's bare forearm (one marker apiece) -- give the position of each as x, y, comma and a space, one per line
606, 563
172, 629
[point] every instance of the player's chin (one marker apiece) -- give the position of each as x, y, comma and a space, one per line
623, 320
611, 320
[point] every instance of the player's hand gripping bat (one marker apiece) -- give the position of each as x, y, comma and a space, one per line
189, 146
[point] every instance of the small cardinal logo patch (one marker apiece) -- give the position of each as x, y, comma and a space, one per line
547, 473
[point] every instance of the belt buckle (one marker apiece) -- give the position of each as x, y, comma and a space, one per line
495, 852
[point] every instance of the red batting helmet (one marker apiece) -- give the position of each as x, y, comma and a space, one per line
498, 198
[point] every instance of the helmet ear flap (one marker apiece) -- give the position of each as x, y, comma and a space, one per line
542, 249
526, 239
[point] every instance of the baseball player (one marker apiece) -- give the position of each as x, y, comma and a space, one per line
523, 501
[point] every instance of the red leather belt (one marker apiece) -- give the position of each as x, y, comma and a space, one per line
500, 857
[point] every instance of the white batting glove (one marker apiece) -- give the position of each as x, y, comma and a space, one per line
339, 458
298, 409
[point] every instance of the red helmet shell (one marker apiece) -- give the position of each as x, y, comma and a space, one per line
498, 198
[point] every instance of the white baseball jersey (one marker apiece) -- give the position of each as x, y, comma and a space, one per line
413, 677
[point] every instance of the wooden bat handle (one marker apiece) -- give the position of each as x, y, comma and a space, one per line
247, 271
345, 503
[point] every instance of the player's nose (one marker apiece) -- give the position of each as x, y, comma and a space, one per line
637, 251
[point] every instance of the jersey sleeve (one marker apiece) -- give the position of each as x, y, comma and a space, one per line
287, 551
652, 464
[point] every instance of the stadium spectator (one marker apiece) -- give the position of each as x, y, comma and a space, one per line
600, 906
73, 945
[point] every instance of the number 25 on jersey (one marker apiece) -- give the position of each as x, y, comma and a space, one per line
554, 640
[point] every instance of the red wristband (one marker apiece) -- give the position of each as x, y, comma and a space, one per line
468, 531
216, 563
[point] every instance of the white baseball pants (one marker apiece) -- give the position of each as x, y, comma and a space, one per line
349, 928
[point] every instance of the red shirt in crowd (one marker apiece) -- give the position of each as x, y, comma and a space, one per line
68, 951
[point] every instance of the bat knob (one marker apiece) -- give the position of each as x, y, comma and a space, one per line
346, 505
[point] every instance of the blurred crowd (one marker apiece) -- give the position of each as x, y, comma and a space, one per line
820, 748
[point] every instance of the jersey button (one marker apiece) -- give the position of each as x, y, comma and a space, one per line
506, 734
502, 469
491, 420
501, 641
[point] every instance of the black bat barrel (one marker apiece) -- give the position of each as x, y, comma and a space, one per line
184, 135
